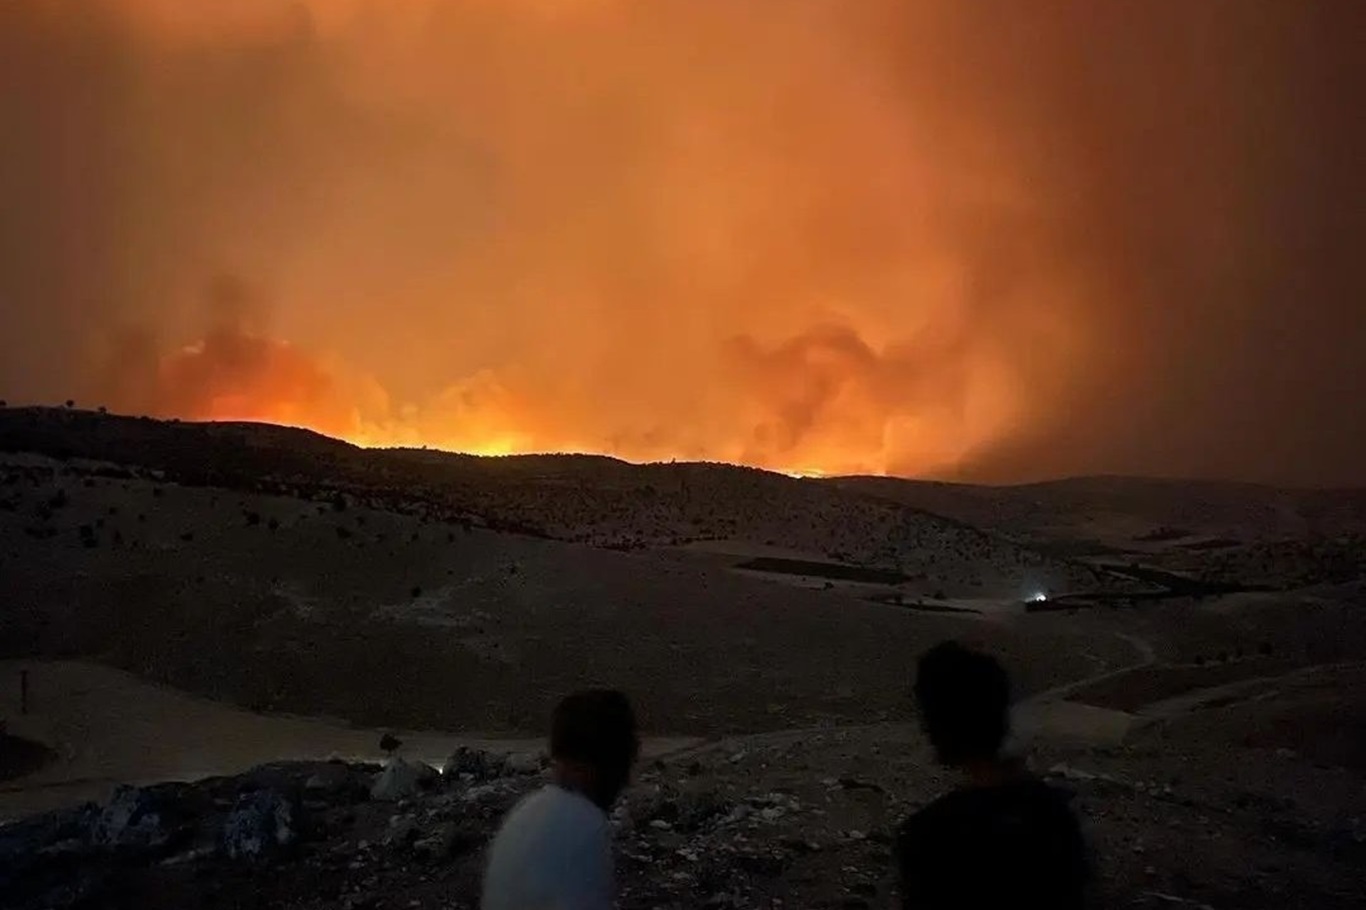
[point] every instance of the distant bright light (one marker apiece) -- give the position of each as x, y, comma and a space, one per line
1037, 597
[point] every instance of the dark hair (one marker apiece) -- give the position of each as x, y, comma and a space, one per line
596, 727
964, 700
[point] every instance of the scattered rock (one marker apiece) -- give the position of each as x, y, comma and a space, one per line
449, 840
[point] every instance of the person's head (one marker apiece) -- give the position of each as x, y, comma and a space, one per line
964, 701
594, 743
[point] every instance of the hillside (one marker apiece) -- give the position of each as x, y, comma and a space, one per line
587, 499
1218, 532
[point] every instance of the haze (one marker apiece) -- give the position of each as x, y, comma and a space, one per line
991, 241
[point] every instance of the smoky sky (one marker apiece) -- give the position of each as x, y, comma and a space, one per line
990, 241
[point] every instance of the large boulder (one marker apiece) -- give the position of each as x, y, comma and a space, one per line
477, 765
260, 824
134, 818
525, 763
400, 779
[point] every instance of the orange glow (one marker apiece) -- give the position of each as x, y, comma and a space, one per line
766, 233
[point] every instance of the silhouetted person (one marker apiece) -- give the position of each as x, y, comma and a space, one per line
554, 849
1003, 838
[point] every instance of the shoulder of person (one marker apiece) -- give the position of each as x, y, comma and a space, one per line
572, 808
921, 823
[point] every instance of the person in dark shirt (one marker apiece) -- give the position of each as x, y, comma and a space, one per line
1003, 838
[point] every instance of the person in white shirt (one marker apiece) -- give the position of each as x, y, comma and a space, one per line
554, 850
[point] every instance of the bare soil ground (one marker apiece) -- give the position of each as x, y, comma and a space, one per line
285, 604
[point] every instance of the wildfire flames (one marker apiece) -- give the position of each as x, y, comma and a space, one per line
653, 230
819, 236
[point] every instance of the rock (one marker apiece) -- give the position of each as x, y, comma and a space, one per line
1067, 772
261, 824
401, 780
133, 818
851, 783
737, 814
525, 763
402, 831
476, 763
47, 832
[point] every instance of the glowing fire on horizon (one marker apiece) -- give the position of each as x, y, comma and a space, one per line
587, 227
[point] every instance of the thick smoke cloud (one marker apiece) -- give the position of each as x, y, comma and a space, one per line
969, 240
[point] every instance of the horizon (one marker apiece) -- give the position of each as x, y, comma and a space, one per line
795, 474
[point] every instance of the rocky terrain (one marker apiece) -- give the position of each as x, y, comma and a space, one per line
1194, 674
801, 820
258, 589
587, 499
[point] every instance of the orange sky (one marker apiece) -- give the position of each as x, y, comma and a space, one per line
813, 235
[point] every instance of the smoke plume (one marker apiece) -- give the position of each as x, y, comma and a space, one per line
973, 240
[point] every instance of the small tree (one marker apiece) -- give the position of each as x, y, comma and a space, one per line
71, 402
